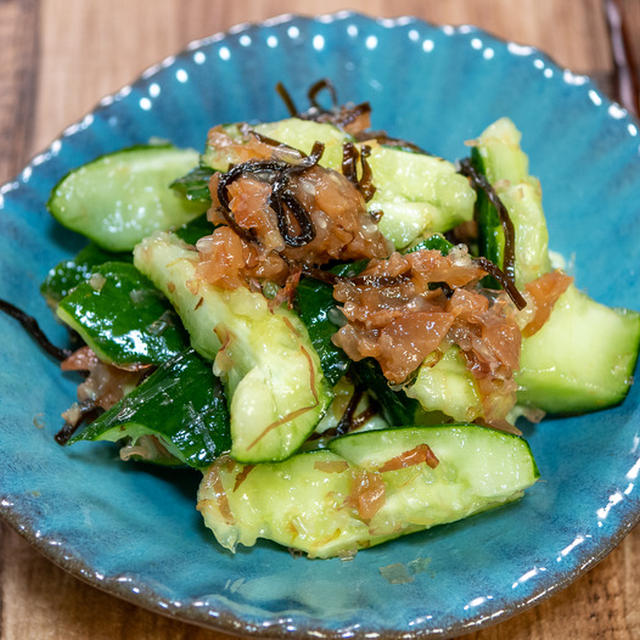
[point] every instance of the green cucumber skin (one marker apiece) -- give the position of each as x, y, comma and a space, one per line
123, 317
313, 302
195, 185
303, 502
397, 408
68, 274
265, 366
434, 242
181, 403
490, 235
121, 197
194, 230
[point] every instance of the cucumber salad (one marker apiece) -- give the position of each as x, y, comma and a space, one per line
338, 329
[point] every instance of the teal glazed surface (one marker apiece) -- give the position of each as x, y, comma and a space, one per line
134, 530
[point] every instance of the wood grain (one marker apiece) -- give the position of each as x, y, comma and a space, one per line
19, 62
57, 58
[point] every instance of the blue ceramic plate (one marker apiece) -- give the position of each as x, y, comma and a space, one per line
134, 532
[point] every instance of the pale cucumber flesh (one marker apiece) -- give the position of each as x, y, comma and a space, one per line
270, 370
122, 197
306, 502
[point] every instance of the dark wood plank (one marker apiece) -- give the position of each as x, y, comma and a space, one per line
107, 44
631, 12
19, 40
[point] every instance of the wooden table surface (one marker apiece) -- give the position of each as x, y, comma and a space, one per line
58, 57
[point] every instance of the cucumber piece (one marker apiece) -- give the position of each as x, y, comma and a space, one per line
498, 156
404, 222
498, 148
296, 503
195, 185
418, 193
123, 317
122, 197
424, 189
488, 461
396, 407
584, 356
435, 241
70, 273
270, 370
314, 303
302, 134
445, 384
181, 404
582, 359
308, 502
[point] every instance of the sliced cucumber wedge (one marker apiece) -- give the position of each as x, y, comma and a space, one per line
120, 314
582, 359
181, 405
68, 274
417, 193
271, 372
444, 383
329, 503
122, 197
498, 156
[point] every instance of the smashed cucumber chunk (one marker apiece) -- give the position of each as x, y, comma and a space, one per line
68, 274
179, 411
123, 318
497, 154
418, 193
271, 372
444, 383
332, 503
582, 359
121, 197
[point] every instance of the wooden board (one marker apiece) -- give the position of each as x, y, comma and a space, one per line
57, 58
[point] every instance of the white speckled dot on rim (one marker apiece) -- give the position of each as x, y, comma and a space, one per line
134, 531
